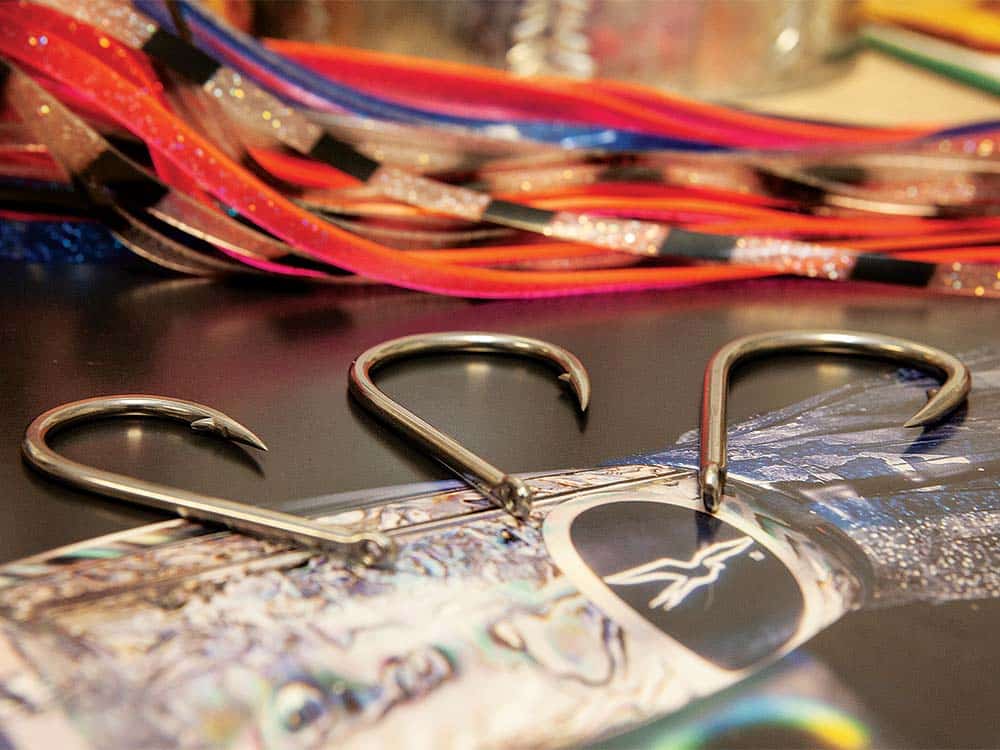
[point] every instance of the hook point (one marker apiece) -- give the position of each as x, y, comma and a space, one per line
938, 406
229, 429
581, 389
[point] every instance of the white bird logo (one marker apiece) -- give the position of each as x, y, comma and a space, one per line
684, 576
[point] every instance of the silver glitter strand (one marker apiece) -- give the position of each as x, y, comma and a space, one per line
429, 194
73, 145
624, 235
118, 19
799, 258
263, 113
974, 279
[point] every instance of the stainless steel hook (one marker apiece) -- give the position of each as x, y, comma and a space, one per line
509, 493
366, 547
958, 381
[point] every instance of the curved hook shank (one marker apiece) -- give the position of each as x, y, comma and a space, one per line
510, 493
368, 548
958, 381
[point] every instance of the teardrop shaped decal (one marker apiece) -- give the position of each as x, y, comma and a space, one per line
694, 577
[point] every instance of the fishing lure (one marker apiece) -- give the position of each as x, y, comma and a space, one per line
618, 599
254, 108
895, 184
278, 70
254, 249
136, 204
268, 209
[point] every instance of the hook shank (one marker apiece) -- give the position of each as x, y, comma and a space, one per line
510, 493
958, 381
367, 547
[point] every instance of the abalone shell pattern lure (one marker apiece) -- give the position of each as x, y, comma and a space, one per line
491, 632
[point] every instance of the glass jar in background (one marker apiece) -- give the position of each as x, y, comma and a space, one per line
714, 49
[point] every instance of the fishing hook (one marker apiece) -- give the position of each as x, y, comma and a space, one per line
942, 401
506, 491
368, 548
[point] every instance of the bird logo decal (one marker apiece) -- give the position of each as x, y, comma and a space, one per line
682, 577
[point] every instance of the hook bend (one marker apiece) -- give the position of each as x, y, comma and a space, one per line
712, 477
508, 492
367, 547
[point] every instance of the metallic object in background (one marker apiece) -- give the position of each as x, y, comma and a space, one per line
706, 48
367, 548
717, 49
508, 492
550, 38
712, 476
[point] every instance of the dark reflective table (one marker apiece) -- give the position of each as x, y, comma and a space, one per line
275, 357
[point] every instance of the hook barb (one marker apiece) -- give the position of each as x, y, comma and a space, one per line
229, 429
369, 548
941, 401
509, 493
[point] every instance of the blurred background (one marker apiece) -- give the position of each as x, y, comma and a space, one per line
706, 47
750, 52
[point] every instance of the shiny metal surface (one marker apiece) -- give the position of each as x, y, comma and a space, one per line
277, 353
508, 492
368, 548
712, 477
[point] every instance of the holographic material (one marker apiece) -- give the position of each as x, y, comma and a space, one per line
432, 195
541, 180
76, 147
71, 143
173, 636
57, 242
253, 107
974, 279
114, 17
799, 258
213, 226
823, 724
30, 714
625, 235
268, 209
163, 251
221, 639
924, 506
265, 114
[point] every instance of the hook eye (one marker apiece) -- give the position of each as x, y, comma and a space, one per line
506, 491
942, 401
